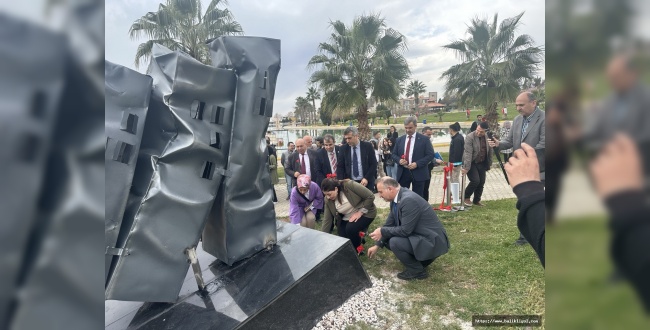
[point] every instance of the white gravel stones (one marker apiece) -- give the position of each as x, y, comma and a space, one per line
361, 307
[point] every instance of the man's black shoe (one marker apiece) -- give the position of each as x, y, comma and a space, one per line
521, 241
407, 275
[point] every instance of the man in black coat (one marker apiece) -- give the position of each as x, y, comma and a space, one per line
303, 161
358, 160
412, 169
328, 158
456, 149
428, 132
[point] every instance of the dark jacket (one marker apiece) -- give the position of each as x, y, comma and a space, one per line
473, 127
630, 244
456, 148
416, 221
324, 166
422, 155
294, 165
368, 163
358, 196
532, 214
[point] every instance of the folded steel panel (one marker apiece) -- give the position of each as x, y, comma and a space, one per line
179, 170
126, 104
242, 220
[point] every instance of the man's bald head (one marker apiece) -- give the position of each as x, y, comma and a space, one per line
621, 73
300, 146
308, 140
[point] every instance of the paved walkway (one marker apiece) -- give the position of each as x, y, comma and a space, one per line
495, 188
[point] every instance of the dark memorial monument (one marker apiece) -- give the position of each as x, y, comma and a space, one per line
187, 184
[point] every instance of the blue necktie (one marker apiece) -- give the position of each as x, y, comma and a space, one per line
395, 212
355, 163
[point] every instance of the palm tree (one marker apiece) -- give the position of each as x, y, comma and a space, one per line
415, 88
494, 62
181, 25
313, 95
360, 59
302, 108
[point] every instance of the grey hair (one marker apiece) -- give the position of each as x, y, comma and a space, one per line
410, 120
351, 129
531, 96
387, 181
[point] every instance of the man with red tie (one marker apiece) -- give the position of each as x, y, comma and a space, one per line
303, 161
413, 152
329, 157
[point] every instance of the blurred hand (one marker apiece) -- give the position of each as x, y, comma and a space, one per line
464, 171
372, 251
523, 166
412, 166
617, 167
364, 182
356, 216
403, 162
438, 161
493, 143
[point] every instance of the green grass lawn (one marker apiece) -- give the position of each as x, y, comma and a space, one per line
578, 266
483, 273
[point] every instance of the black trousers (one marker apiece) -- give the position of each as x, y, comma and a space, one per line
427, 186
476, 176
406, 181
350, 230
401, 247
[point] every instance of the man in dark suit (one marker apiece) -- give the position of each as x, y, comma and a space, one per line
303, 161
358, 161
428, 132
412, 230
328, 158
413, 152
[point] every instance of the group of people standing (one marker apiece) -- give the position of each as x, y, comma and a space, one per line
338, 182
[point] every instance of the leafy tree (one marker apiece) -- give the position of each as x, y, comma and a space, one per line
415, 88
181, 25
494, 60
360, 59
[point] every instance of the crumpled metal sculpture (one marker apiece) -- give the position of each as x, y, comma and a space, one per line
242, 220
202, 155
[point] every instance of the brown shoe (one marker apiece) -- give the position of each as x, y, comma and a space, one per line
479, 204
467, 202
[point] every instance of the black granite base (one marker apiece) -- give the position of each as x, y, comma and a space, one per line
307, 274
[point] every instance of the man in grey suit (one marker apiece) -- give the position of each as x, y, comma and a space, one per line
528, 127
412, 230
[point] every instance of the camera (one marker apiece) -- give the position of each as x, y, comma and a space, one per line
489, 135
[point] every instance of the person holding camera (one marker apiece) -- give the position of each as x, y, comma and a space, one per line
528, 127
477, 160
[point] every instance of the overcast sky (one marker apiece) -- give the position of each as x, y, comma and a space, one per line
302, 24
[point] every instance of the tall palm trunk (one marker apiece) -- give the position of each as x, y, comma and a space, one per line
492, 117
362, 115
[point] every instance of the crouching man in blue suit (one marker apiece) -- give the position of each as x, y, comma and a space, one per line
412, 230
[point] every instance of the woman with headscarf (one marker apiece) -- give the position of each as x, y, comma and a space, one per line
351, 206
306, 199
